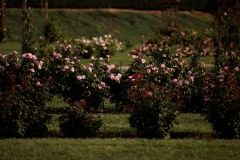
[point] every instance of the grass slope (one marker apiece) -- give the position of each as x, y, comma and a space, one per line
126, 25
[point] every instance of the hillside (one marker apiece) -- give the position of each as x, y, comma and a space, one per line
126, 25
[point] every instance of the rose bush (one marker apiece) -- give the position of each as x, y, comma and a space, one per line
221, 94
74, 81
158, 88
97, 46
24, 91
221, 85
153, 109
187, 41
78, 123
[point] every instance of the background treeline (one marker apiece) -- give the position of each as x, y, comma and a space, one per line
203, 5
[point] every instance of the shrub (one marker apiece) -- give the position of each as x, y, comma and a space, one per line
154, 91
74, 81
52, 32
222, 102
117, 89
97, 46
153, 111
195, 101
221, 85
2, 36
166, 68
29, 37
24, 91
187, 41
78, 123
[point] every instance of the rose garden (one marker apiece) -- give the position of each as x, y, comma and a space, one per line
165, 79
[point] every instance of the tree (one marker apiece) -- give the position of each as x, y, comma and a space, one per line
3, 22
24, 12
46, 12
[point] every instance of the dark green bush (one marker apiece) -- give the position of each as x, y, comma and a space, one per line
1, 34
221, 88
153, 111
222, 103
78, 123
22, 112
51, 31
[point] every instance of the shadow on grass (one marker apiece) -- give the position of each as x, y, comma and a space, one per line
189, 135
133, 134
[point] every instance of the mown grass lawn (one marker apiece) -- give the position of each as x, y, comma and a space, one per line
9, 47
191, 143
119, 148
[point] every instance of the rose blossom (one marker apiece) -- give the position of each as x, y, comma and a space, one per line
38, 83
143, 60
236, 69
186, 82
192, 78
148, 70
175, 80
32, 70
162, 65
150, 94
81, 77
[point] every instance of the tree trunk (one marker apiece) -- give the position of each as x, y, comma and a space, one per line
4, 19
46, 12
24, 11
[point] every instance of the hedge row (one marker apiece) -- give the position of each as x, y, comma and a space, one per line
203, 5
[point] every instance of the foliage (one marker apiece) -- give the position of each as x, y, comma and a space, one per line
97, 47
166, 76
188, 41
221, 95
1, 33
24, 91
221, 85
195, 102
42, 48
78, 123
52, 32
117, 88
74, 81
153, 110
168, 68
29, 40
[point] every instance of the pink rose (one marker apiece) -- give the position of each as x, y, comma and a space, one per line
175, 80
186, 82
192, 78
38, 83
162, 65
